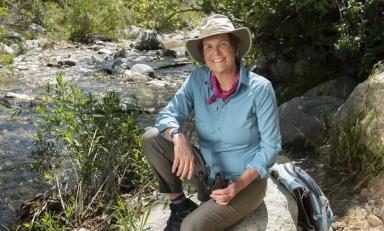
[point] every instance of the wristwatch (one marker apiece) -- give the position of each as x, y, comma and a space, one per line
176, 131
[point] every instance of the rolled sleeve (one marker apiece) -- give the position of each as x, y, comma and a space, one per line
178, 109
268, 124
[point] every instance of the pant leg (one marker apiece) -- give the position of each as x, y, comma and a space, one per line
212, 216
160, 155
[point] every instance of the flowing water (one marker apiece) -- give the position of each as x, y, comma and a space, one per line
30, 78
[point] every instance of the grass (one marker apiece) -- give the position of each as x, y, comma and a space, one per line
355, 151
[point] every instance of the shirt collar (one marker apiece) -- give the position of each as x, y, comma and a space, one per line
244, 75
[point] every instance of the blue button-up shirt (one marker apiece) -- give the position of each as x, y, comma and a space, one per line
238, 133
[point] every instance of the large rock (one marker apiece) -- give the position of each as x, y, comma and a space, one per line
339, 87
366, 104
302, 121
143, 69
278, 213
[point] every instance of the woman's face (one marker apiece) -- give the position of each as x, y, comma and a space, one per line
219, 54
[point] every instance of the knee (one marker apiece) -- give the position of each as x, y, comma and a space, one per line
149, 137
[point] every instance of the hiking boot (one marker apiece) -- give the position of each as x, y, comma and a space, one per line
178, 213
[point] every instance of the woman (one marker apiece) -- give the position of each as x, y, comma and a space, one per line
237, 124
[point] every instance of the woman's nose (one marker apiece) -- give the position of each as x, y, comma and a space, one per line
216, 50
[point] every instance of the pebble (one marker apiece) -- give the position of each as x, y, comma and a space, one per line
13, 95
374, 220
364, 194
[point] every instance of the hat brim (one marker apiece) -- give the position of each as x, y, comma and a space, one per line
243, 34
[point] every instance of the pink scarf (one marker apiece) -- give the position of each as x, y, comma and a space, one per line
218, 93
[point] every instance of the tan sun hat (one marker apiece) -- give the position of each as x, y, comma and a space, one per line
218, 24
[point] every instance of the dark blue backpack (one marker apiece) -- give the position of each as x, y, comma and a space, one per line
315, 212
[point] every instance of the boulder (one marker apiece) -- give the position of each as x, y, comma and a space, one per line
278, 212
281, 71
366, 104
302, 121
340, 87
130, 76
143, 69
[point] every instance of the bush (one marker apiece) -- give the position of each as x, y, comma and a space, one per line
102, 143
96, 148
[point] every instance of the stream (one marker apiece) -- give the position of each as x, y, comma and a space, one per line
89, 66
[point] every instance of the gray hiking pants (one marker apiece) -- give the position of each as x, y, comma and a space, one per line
209, 215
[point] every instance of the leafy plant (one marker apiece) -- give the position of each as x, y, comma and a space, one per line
130, 216
92, 141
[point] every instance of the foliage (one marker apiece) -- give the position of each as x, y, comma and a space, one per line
100, 141
98, 147
85, 20
161, 13
321, 39
133, 216
148, 41
89, 18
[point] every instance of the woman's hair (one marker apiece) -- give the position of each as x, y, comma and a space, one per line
233, 40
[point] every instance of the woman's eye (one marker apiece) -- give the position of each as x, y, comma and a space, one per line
207, 47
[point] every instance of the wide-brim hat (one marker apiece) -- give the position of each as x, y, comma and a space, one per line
218, 24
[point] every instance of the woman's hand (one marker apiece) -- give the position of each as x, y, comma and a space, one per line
184, 162
225, 195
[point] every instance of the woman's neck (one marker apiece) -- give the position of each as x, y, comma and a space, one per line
225, 80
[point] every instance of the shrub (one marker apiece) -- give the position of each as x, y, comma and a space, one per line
97, 147
102, 143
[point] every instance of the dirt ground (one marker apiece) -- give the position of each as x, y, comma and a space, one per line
354, 207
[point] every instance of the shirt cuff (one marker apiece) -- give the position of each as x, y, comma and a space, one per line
263, 172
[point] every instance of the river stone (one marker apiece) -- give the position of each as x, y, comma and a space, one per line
15, 47
121, 63
7, 49
12, 95
302, 122
33, 44
14, 36
158, 83
278, 212
37, 28
133, 31
339, 87
143, 69
67, 62
104, 51
130, 76
122, 53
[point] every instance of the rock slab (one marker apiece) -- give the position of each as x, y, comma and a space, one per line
278, 212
